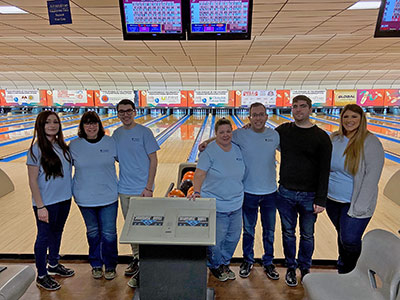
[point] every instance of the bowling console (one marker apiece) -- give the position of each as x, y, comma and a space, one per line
173, 234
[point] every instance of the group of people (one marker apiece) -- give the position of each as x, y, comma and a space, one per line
94, 186
340, 172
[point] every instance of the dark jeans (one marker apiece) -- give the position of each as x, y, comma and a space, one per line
349, 234
49, 235
268, 214
291, 204
101, 232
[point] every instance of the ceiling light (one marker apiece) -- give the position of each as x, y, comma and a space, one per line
11, 10
366, 5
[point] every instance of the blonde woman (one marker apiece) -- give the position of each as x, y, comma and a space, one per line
356, 167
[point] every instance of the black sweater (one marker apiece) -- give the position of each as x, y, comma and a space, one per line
305, 160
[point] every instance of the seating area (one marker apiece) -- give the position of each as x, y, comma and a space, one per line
375, 277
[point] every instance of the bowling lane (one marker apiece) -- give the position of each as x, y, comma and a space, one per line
388, 145
24, 145
392, 130
176, 150
29, 117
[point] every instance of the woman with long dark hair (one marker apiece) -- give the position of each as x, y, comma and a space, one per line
49, 172
95, 190
356, 167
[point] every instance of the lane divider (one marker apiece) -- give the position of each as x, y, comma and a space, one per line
212, 127
161, 138
193, 152
12, 157
372, 124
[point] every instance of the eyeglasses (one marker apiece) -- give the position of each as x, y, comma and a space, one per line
128, 112
91, 124
260, 115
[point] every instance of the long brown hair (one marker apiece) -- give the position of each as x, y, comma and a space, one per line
354, 151
49, 160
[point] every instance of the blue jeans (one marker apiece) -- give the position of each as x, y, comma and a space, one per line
101, 232
291, 204
349, 233
49, 235
227, 236
268, 214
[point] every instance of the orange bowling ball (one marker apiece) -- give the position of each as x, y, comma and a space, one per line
188, 175
190, 191
176, 193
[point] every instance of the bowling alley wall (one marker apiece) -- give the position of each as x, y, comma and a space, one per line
197, 98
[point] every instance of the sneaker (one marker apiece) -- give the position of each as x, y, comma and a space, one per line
110, 274
271, 272
48, 283
304, 272
60, 270
97, 272
231, 275
245, 269
134, 281
133, 268
219, 273
290, 277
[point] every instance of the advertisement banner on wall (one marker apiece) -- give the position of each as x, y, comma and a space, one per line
69, 97
370, 97
343, 97
163, 98
112, 97
318, 97
22, 97
266, 97
392, 97
283, 98
211, 98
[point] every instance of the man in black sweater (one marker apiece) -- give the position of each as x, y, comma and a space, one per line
303, 184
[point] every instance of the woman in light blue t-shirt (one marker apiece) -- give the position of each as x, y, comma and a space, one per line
219, 174
95, 192
356, 166
49, 172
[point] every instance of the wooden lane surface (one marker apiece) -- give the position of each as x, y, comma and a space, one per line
24, 145
175, 150
370, 126
385, 121
18, 223
27, 130
28, 118
387, 145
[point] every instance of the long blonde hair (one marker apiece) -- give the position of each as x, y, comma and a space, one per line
354, 151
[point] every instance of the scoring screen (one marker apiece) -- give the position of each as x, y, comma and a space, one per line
391, 16
153, 16
219, 16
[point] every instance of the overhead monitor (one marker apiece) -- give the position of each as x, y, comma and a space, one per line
388, 24
152, 19
220, 19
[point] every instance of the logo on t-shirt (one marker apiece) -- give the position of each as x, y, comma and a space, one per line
269, 140
239, 159
104, 150
135, 139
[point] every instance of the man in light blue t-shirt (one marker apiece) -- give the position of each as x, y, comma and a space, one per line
137, 156
258, 146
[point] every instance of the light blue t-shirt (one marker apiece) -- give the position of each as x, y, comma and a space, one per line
95, 180
258, 151
224, 179
57, 189
133, 149
340, 180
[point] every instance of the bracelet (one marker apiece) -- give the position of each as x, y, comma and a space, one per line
148, 189
198, 193
41, 207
